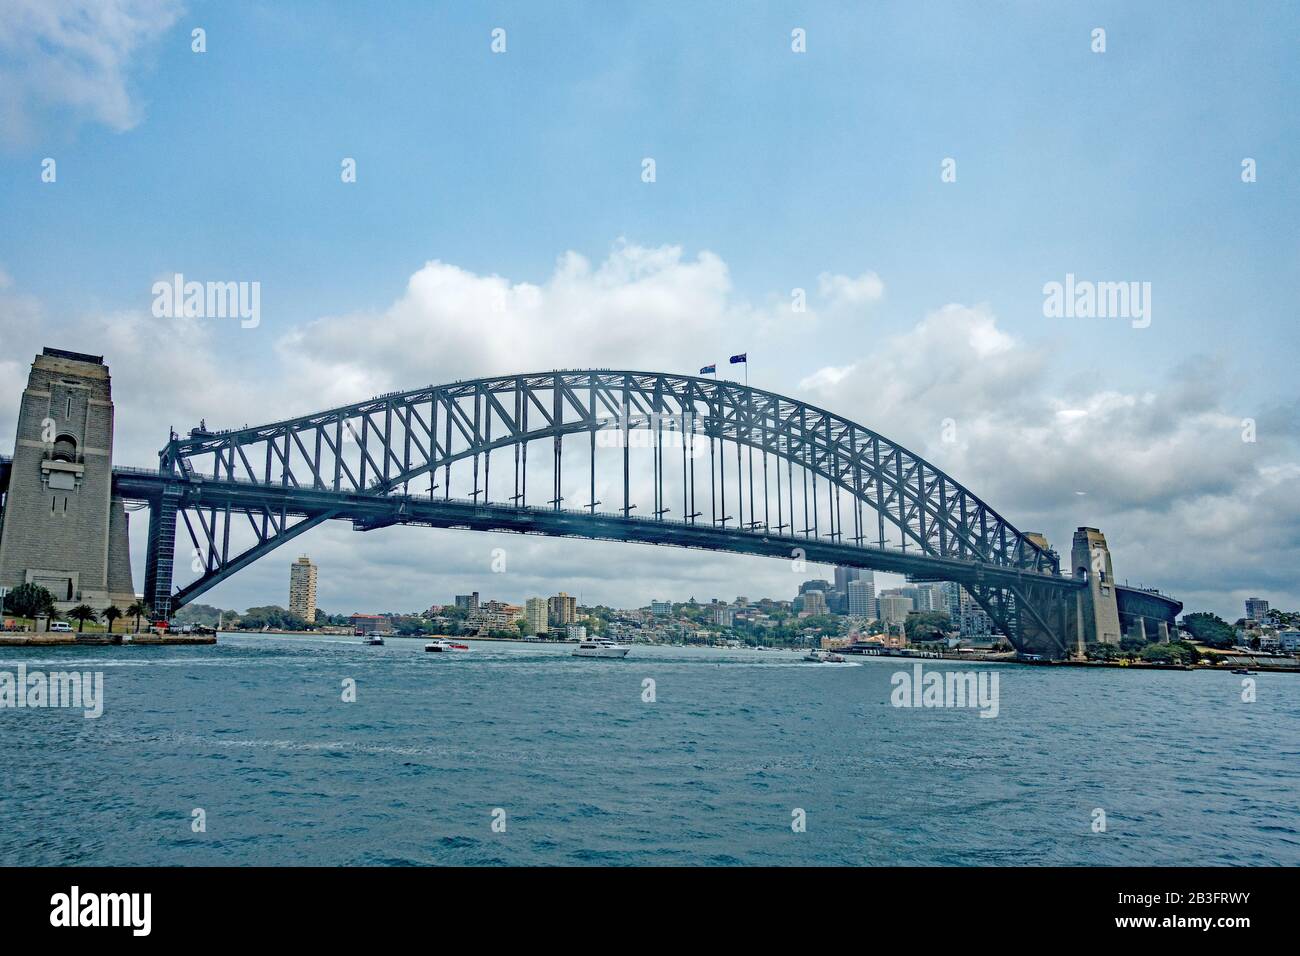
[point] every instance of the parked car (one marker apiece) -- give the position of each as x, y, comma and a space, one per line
62, 627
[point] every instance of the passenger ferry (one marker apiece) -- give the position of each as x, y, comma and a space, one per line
600, 648
824, 657
442, 645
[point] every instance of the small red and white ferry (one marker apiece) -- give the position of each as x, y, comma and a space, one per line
442, 645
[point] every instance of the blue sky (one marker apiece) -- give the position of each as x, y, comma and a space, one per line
1118, 166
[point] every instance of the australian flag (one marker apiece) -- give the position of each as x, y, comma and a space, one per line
709, 370
737, 359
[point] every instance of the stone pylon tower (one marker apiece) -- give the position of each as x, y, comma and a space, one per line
62, 528
1098, 612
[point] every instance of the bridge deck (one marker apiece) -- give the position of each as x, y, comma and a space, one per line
368, 512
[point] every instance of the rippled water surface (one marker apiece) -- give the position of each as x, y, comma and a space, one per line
254, 732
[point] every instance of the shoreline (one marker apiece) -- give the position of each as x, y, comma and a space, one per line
48, 639
145, 639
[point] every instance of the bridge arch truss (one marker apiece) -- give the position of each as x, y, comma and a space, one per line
678, 460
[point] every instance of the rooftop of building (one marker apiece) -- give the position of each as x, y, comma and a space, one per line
73, 356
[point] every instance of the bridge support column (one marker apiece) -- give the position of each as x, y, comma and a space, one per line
1090, 561
1042, 617
161, 552
64, 529
1081, 645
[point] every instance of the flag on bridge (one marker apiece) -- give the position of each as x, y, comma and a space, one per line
737, 359
709, 370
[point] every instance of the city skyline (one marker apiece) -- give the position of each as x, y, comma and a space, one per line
480, 595
855, 593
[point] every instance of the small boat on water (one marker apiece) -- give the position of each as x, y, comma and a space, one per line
1244, 671
443, 646
374, 640
824, 657
600, 648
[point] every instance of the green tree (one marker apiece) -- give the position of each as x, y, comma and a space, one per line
204, 614
111, 614
926, 625
83, 613
1175, 653
271, 616
1209, 629
29, 600
137, 610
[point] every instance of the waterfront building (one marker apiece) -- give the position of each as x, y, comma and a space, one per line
724, 616
975, 624
860, 598
956, 600
302, 589
892, 608
814, 602
576, 632
816, 585
935, 599
467, 601
562, 610
1289, 641
366, 624
952, 598
536, 614
495, 615
1256, 609
661, 608
926, 597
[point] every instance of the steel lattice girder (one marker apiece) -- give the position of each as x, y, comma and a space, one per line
404, 435
401, 436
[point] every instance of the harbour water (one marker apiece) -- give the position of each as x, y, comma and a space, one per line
576, 766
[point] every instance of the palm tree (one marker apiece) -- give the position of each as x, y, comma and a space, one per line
111, 614
83, 613
137, 610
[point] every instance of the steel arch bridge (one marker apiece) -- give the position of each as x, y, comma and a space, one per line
703, 464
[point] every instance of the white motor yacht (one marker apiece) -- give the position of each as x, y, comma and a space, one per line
600, 648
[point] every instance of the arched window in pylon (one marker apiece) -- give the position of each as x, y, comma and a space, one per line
65, 449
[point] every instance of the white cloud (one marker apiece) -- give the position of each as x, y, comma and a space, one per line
825, 379
651, 304
1161, 468
74, 56
841, 291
